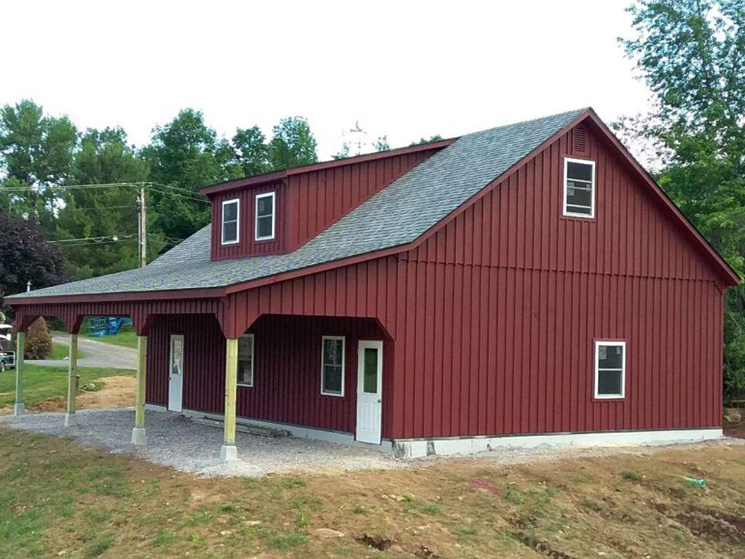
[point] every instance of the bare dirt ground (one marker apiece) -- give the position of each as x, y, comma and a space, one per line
117, 392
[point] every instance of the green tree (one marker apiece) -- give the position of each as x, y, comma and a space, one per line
104, 157
691, 53
422, 141
381, 144
292, 144
252, 152
25, 255
186, 154
36, 153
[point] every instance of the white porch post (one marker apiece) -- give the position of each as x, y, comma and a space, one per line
19, 407
72, 382
229, 451
138, 433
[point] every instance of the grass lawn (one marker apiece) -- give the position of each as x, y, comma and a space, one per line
60, 351
126, 338
43, 383
58, 498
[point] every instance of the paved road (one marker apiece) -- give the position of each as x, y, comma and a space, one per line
96, 354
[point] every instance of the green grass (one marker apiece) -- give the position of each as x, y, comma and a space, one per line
60, 499
60, 351
123, 338
42, 383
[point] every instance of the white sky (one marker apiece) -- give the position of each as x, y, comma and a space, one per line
405, 69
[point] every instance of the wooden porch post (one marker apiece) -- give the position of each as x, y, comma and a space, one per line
229, 451
72, 382
138, 433
19, 407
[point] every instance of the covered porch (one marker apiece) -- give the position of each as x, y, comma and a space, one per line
322, 377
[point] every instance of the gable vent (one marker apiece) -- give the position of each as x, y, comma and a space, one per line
579, 139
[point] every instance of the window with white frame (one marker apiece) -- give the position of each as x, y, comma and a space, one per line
332, 366
610, 369
230, 221
246, 360
265, 206
579, 188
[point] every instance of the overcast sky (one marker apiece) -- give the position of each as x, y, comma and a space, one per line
403, 69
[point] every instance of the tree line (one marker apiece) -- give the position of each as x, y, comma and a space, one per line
58, 177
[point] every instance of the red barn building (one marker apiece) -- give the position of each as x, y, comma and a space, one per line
525, 284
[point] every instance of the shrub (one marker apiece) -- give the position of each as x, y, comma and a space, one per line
38, 340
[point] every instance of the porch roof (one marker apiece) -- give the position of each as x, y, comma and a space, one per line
395, 216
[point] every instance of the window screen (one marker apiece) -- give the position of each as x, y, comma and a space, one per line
332, 369
246, 360
610, 369
579, 188
265, 216
230, 222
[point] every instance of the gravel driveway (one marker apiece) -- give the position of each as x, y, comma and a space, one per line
95, 354
173, 440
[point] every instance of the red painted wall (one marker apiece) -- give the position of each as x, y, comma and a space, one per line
319, 198
307, 203
287, 370
494, 316
247, 245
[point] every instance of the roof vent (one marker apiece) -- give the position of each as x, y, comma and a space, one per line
579, 139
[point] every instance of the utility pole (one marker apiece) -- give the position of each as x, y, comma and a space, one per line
142, 227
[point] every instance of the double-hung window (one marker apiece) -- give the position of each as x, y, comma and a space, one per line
231, 221
246, 360
332, 366
610, 369
265, 216
579, 188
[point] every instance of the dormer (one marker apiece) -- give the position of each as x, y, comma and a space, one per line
278, 212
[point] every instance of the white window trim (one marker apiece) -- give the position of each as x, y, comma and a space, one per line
253, 361
237, 201
621, 344
256, 215
567, 213
343, 363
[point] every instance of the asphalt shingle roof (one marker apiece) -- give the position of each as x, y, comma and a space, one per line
397, 215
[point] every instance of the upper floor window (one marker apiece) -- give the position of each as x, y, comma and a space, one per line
610, 369
264, 216
230, 221
579, 188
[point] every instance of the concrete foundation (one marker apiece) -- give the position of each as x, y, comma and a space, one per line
138, 436
228, 453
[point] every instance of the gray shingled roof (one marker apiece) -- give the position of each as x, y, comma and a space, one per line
397, 215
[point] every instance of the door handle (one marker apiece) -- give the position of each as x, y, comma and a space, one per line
379, 401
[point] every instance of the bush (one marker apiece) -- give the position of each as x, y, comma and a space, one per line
38, 340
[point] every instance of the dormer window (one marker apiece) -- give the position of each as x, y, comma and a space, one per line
230, 222
579, 188
265, 208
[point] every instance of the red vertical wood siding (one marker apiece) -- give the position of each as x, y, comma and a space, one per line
287, 369
494, 316
319, 198
247, 246
307, 203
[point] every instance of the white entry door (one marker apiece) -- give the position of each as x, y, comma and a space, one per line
176, 373
369, 391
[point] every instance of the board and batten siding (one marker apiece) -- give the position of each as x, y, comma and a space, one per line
307, 203
493, 318
287, 368
320, 198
